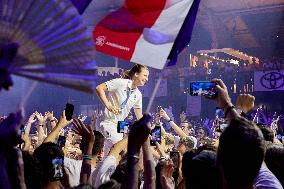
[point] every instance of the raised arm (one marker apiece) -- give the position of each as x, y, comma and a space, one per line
245, 102
149, 166
139, 133
53, 121
40, 127
28, 126
117, 148
25, 136
161, 147
223, 100
176, 128
88, 139
63, 122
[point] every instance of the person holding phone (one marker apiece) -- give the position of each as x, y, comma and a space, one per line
185, 130
123, 95
155, 135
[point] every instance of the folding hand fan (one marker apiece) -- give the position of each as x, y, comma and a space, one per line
45, 40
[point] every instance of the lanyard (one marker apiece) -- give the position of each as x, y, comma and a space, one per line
122, 106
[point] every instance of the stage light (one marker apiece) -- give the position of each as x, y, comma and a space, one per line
232, 61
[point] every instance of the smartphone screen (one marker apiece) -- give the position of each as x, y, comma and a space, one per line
219, 113
175, 158
202, 88
123, 127
223, 126
69, 109
279, 137
22, 130
57, 168
155, 135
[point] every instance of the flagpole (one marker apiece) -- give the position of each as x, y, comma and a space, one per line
116, 62
154, 93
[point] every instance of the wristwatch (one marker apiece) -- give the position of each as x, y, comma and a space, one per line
228, 108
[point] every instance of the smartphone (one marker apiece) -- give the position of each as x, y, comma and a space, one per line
175, 158
155, 135
223, 126
159, 109
202, 88
57, 173
123, 127
61, 141
69, 109
22, 130
219, 113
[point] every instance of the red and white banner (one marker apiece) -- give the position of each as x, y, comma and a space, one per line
142, 31
269, 80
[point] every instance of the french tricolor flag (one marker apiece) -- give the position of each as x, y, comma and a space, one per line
148, 32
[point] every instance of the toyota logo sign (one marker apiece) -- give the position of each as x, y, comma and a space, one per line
272, 80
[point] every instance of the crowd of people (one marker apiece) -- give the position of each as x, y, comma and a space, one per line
213, 66
114, 149
235, 151
217, 67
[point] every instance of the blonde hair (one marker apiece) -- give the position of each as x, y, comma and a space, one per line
169, 139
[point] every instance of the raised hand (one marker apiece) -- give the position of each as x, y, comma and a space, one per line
49, 115
25, 136
86, 133
245, 102
223, 99
82, 118
164, 115
53, 122
41, 119
63, 122
32, 118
